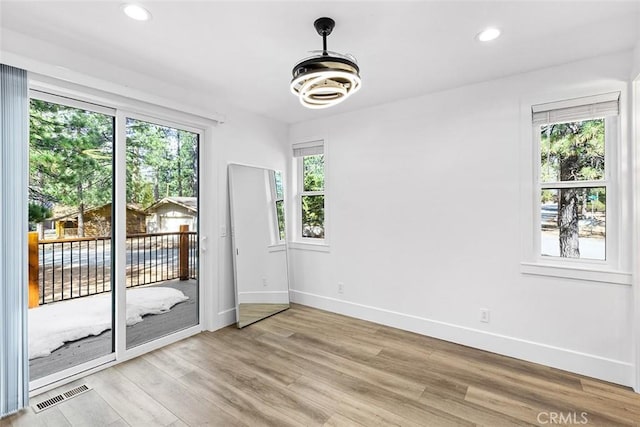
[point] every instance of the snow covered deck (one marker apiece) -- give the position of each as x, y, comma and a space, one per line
181, 315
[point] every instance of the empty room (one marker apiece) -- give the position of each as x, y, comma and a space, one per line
332, 213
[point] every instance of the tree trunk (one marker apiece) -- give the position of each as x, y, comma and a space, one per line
179, 167
156, 189
568, 210
81, 221
80, 212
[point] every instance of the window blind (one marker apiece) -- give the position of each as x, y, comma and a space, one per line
14, 169
308, 148
577, 109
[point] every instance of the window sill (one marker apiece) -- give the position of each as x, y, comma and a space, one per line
577, 273
308, 246
277, 247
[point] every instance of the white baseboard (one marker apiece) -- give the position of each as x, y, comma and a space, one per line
225, 318
264, 297
615, 371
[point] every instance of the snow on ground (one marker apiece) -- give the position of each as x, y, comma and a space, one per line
51, 325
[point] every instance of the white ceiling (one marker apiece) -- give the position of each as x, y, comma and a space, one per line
210, 53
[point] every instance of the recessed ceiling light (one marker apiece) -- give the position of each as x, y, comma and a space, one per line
488, 34
136, 12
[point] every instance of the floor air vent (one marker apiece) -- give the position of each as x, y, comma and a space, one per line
60, 398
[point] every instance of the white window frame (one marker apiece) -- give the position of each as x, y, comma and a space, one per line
299, 149
610, 270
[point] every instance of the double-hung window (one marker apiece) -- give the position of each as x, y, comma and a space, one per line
311, 179
576, 140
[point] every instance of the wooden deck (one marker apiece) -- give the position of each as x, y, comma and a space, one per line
306, 367
181, 316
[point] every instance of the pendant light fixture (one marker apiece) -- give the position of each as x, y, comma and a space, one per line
326, 78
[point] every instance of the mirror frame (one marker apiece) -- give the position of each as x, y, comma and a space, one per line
235, 250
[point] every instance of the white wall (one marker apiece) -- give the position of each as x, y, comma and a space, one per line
635, 73
423, 205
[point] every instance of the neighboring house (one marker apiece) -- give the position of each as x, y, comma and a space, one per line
97, 222
169, 213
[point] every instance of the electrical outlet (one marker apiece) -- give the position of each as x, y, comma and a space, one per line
264, 281
484, 315
340, 288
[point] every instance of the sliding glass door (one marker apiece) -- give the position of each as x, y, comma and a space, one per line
162, 230
70, 234
113, 235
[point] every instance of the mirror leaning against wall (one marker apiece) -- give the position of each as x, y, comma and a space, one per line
256, 198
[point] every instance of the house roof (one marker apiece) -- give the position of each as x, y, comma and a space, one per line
189, 203
74, 215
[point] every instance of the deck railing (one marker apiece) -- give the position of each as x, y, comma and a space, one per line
78, 267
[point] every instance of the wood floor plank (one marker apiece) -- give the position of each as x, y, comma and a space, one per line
300, 345
307, 367
537, 415
506, 405
527, 388
624, 396
129, 400
346, 386
188, 406
347, 405
339, 341
239, 376
468, 411
500, 372
243, 406
338, 420
251, 353
89, 409
27, 417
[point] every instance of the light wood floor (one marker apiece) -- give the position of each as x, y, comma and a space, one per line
308, 367
251, 313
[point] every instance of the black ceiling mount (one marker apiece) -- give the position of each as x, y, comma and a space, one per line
324, 26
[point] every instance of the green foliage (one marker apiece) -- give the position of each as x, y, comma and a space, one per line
70, 155
161, 161
313, 169
280, 218
313, 205
38, 213
71, 152
548, 196
572, 151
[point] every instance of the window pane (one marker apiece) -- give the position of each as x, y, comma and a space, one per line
573, 222
70, 206
572, 151
280, 214
313, 172
279, 187
162, 229
313, 216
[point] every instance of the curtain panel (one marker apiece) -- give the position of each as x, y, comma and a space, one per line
14, 172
